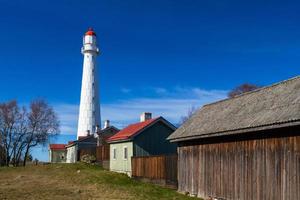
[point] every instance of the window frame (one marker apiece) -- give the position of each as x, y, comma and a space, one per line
114, 153
125, 147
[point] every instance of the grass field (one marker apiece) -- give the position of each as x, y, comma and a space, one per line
75, 181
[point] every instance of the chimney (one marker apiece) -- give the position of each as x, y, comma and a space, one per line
97, 129
106, 124
145, 116
88, 132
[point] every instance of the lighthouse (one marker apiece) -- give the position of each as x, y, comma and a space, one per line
89, 109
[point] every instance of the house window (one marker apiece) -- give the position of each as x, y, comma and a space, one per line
114, 153
125, 153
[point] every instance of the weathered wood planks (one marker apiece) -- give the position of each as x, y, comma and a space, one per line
260, 169
161, 168
102, 152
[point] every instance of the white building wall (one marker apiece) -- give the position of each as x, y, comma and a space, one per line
50, 155
71, 154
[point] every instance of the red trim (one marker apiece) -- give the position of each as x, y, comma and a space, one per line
130, 130
90, 32
57, 146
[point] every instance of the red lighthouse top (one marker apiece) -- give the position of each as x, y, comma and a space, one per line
90, 32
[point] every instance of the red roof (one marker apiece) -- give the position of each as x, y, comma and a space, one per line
57, 146
90, 32
130, 130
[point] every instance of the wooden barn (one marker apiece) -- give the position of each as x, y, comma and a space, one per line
246, 147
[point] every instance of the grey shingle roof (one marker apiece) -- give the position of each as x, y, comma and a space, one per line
269, 107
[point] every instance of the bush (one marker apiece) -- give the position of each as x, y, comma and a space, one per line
88, 158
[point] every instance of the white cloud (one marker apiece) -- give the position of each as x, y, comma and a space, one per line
172, 106
125, 90
161, 91
68, 116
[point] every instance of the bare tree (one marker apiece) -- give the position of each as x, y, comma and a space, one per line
9, 114
21, 130
246, 87
2, 153
19, 136
188, 115
42, 123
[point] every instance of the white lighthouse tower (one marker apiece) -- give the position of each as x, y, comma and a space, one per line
89, 111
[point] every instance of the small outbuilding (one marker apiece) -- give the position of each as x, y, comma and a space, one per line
94, 144
57, 153
84, 145
146, 138
246, 147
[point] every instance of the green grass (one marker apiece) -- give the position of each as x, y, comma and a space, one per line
76, 181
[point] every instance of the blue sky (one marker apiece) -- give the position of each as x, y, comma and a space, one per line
162, 56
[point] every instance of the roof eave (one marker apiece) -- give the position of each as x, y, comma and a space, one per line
57, 149
70, 145
238, 131
119, 140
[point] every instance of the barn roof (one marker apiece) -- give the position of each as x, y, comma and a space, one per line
269, 107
